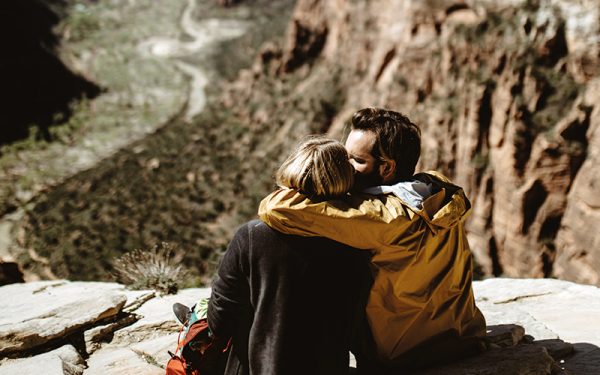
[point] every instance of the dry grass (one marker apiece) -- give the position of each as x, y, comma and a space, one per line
158, 268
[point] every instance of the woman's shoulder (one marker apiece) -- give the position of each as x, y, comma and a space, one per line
256, 229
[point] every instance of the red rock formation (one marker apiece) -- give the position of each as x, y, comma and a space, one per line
506, 94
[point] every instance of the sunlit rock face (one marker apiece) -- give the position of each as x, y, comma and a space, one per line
506, 95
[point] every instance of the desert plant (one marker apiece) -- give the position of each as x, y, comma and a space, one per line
156, 268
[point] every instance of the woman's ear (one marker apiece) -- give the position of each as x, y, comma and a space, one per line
387, 170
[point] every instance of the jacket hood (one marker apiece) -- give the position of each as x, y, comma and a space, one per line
432, 196
448, 205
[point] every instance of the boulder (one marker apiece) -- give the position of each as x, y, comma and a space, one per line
505, 335
37, 313
62, 361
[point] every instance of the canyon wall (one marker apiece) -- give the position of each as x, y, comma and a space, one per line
506, 94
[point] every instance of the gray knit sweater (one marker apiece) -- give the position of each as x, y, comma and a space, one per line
290, 303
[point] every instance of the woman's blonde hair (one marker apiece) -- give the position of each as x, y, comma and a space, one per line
318, 167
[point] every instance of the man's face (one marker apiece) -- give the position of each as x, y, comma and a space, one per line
359, 145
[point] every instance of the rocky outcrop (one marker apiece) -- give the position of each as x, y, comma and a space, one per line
62, 361
506, 95
38, 313
527, 323
87, 327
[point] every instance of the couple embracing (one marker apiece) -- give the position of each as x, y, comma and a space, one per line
353, 252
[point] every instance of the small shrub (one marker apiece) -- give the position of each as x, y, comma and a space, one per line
157, 269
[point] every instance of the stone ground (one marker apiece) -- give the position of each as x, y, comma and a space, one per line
102, 328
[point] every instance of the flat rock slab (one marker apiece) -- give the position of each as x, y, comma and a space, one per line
145, 357
504, 314
546, 308
62, 361
35, 313
160, 309
121, 361
157, 318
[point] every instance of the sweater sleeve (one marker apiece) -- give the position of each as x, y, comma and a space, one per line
361, 222
229, 289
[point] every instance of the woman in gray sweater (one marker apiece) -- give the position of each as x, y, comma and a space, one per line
292, 304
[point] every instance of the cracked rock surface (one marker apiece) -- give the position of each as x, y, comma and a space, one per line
70, 328
36, 313
547, 308
74, 328
550, 311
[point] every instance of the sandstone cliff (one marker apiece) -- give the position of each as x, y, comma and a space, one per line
506, 94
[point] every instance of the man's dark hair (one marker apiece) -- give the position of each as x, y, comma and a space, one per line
396, 138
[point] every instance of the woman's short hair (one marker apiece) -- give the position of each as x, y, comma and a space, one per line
318, 167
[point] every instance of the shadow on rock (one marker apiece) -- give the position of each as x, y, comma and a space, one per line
585, 360
511, 351
10, 273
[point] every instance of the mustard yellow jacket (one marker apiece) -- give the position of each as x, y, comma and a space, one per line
421, 258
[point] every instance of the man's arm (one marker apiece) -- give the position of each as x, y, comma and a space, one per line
363, 222
230, 288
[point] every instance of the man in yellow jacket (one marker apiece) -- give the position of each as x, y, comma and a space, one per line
421, 307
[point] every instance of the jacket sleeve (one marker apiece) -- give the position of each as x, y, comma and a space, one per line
229, 290
361, 221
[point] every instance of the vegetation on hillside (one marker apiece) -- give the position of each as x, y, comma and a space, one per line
185, 184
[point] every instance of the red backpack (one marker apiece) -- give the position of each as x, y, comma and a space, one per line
197, 353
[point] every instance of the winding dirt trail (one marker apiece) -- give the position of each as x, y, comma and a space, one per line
205, 33
203, 36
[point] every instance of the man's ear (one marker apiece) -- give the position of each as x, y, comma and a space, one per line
387, 170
